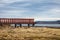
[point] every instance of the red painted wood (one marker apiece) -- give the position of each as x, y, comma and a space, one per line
16, 21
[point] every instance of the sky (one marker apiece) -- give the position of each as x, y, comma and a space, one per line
43, 10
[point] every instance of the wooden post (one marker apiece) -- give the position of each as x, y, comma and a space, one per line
20, 25
15, 25
33, 25
28, 25
0, 24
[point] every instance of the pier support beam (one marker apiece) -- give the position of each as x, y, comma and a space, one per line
20, 25
33, 25
0, 24
15, 25
28, 25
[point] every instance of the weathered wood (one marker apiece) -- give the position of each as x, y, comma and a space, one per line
16, 21
33, 25
20, 25
0, 24
28, 25
15, 25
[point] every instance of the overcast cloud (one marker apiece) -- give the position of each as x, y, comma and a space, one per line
38, 9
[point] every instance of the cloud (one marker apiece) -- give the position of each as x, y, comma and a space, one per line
11, 1
30, 8
51, 13
46, 19
57, 1
55, 11
12, 13
7, 2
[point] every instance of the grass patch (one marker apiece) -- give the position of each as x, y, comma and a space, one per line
33, 33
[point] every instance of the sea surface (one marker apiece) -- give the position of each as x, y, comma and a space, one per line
52, 25
49, 25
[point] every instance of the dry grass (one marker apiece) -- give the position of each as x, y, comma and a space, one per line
35, 33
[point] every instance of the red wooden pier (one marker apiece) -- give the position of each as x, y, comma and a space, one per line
17, 21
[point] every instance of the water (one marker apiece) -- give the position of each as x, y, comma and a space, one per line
52, 25
49, 25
